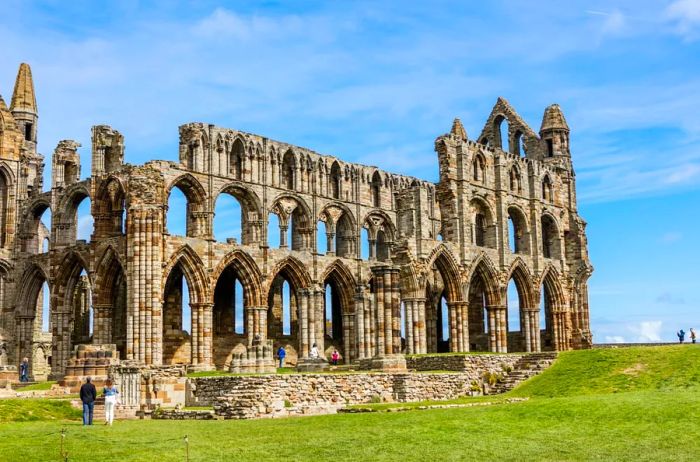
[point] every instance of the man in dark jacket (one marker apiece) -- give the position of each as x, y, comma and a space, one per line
88, 395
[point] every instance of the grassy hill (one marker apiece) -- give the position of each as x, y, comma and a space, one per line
636, 404
615, 370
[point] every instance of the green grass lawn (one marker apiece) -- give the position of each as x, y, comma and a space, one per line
627, 404
40, 386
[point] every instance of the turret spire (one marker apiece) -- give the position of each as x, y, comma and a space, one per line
458, 130
23, 98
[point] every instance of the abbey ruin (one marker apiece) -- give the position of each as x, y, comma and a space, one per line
373, 264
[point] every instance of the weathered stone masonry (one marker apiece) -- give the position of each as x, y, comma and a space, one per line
427, 242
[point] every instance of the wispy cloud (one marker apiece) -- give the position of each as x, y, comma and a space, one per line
685, 15
668, 298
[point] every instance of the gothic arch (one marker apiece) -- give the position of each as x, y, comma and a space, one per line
248, 274
551, 280
110, 205
33, 278
483, 268
108, 268
193, 270
343, 277
524, 282
442, 259
294, 270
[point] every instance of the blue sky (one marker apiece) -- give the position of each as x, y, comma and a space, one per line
376, 82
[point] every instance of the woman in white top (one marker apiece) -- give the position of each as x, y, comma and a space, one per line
314, 352
110, 393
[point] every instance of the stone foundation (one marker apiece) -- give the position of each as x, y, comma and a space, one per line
89, 361
462, 362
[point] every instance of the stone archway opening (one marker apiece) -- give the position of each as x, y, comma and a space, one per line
177, 318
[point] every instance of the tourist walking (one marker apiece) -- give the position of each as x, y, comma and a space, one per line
24, 370
335, 356
111, 395
314, 352
681, 336
88, 395
281, 354
693, 335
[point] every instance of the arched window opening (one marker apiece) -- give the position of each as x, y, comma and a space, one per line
546, 321
480, 230
28, 127
333, 319
237, 156
365, 244
517, 231
345, 236
518, 146
4, 203
502, 130
376, 190
45, 245
444, 322
382, 246
81, 301
228, 304
514, 177
547, 189
176, 220
177, 319
513, 304
478, 169
273, 231
550, 148
335, 180
402, 326
85, 221
228, 219
550, 238
478, 315
321, 238
286, 309
512, 240
288, 170
44, 308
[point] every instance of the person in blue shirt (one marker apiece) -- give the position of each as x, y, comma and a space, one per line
111, 394
281, 354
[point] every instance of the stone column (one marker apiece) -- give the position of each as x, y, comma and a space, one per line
459, 326
531, 329
102, 323
388, 355
144, 326
202, 346
283, 236
61, 341
330, 243
493, 342
256, 323
304, 329
348, 322
378, 314
408, 307
320, 322
420, 333
360, 324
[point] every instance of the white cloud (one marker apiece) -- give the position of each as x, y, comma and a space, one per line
646, 331
685, 15
614, 339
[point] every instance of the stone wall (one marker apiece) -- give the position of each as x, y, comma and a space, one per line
475, 364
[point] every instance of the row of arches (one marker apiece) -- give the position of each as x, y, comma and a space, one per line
244, 161
515, 183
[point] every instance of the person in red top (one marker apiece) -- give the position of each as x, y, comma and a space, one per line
335, 356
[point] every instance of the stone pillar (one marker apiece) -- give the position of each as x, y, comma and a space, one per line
61, 340
372, 249
304, 324
102, 323
202, 347
283, 236
408, 307
330, 243
360, 324
459, 326
320, 322
388, 355
348, 323
256, 323
144, 325
531, 329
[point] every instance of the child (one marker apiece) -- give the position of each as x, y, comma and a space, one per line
334, 357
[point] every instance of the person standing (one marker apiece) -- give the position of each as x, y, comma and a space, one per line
681, 336
24, 370
88, 395
314, 352
111, 394
281, 354
693, 335
335, 356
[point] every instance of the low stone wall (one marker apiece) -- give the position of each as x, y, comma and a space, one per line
473, 363
303, 394
179, 414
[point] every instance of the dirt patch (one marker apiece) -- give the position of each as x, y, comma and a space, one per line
634, 370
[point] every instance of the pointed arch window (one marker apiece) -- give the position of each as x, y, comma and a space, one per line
547, 195
478, 169
376, 187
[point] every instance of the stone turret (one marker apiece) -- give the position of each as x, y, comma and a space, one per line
458, 130
23, 105
554, 132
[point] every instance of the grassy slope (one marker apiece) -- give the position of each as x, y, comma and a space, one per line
22, 410
655, 419
617, 370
